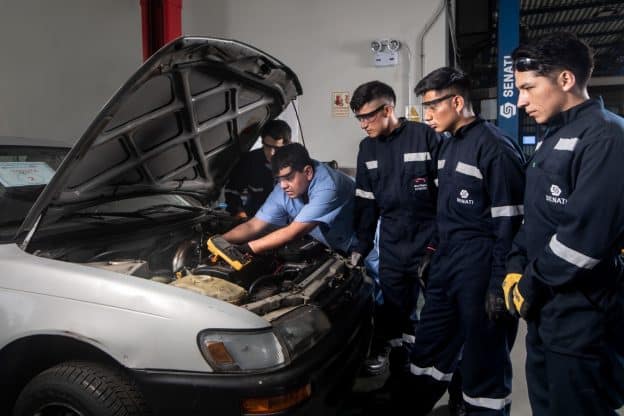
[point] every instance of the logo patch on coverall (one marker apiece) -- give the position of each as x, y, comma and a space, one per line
419, 184
554, 197
464, 198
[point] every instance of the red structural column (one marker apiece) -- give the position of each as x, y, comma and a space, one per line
161, 22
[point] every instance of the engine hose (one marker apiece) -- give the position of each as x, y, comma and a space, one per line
212, 271
253, 284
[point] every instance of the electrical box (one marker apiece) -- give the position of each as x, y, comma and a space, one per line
385, 58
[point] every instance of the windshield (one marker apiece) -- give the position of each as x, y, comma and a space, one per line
24, 172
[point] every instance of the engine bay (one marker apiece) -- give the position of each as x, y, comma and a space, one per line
292, 275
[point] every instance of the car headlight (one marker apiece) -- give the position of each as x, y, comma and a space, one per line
241, 351
302, 328
249, 351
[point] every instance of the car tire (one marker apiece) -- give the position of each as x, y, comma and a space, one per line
80, 388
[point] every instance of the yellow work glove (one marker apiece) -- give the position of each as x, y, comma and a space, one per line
514, 301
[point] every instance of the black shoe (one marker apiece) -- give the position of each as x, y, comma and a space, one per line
377, 362
456, 404
456, 408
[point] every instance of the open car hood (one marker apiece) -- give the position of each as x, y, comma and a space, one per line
177, 125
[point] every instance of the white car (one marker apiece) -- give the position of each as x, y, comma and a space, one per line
110, 303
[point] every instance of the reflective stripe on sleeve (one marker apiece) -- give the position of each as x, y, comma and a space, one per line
416, 157
371, 164
431, 372
488, 403
469, 170
364, 194
571, 256
507, 211
566, 144
441, 163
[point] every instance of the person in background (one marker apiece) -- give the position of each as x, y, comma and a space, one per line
394, 184
464, 323
309, 198
252, 177
566, 277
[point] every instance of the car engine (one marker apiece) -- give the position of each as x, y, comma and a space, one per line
281, 279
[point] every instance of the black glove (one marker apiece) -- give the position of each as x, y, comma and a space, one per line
245, 249
423, 267
495, 305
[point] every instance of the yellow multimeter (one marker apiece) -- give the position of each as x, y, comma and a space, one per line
219, 247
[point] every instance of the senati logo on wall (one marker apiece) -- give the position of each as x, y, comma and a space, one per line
507, 110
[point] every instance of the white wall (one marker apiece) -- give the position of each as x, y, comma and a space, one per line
61, 61
326, 42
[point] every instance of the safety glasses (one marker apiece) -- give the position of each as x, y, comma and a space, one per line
370, 115
526, 64
288, 177
431, 105
271, 146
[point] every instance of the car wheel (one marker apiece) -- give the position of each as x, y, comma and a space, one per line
79, 388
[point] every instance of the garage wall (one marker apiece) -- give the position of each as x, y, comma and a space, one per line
326, 42
61, 61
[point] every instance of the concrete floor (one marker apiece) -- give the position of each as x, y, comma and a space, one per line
519, 391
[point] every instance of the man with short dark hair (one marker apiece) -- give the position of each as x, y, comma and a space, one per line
309, 198
565, 271
251, 178
464, 323
395, 184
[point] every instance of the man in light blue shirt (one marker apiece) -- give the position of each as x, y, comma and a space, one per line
309, 198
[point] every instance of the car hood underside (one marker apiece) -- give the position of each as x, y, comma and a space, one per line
177, 125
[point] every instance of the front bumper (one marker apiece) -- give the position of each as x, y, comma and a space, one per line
330, 367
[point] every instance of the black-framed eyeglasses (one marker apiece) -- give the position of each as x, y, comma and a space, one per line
370, 115
526, 64
430, 105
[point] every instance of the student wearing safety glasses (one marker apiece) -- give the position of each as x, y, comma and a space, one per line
464, 324
309, 198
395, 184
251, 180
565, 273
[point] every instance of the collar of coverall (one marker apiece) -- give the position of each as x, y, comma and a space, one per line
394, 133
463, 130
573, 113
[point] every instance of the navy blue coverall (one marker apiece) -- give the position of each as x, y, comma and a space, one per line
568, 252
395, 183
251, 176
481, 184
